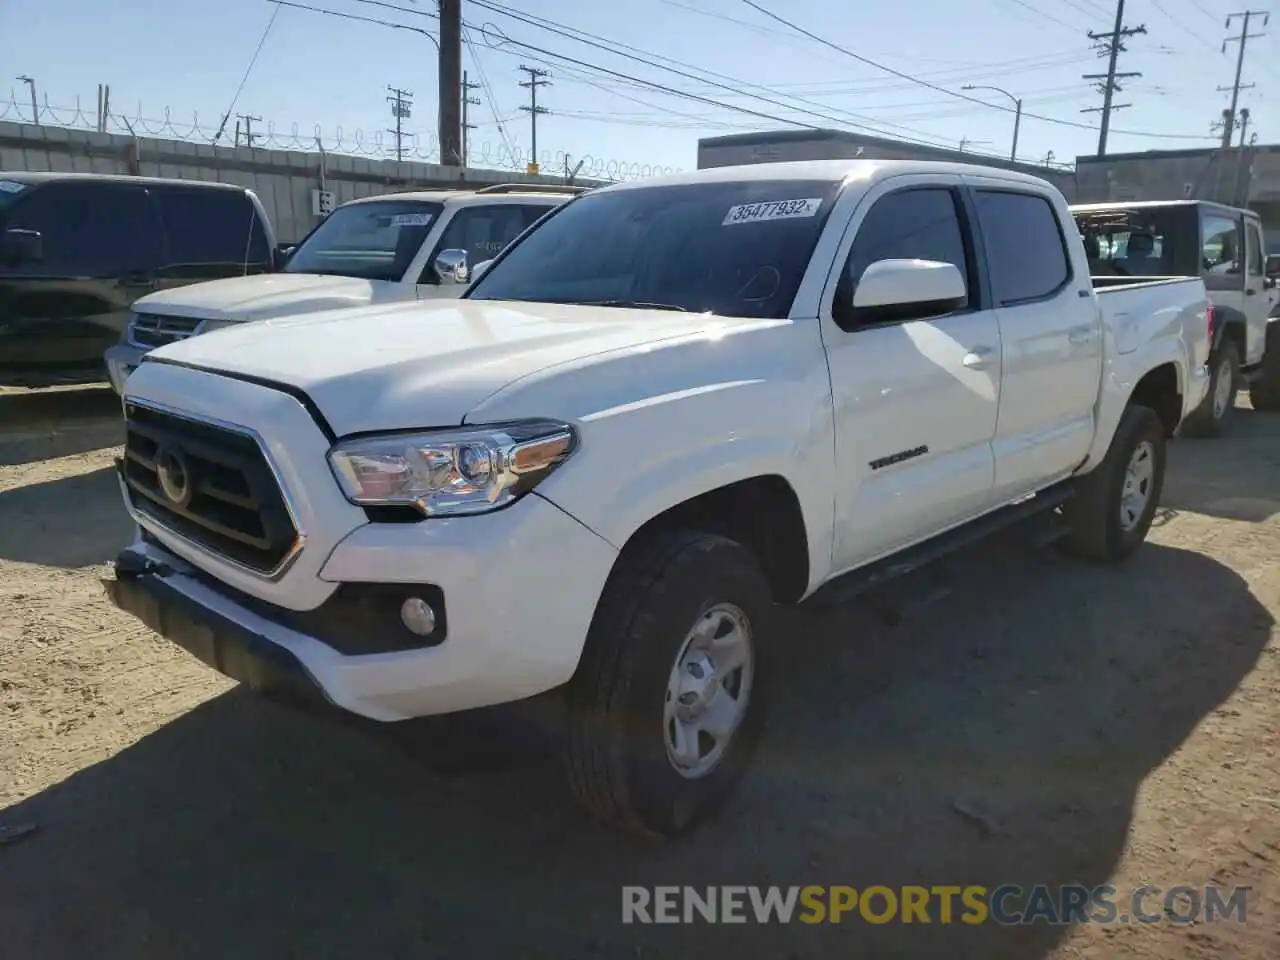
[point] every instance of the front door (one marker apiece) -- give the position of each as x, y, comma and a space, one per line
915, 401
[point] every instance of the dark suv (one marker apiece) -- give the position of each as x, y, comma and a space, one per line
76, 250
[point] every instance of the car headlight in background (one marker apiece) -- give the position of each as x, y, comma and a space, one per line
451, 472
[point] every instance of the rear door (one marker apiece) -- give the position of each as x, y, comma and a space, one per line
210, 234
102, 243
1050, 332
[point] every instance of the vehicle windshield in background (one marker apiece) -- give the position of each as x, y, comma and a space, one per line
732, 249
373, 241
1130, 243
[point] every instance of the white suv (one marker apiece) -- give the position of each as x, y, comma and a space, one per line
378, 250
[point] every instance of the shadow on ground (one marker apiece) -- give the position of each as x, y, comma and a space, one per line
1236, 477
40, 528
1036, 700
43, 424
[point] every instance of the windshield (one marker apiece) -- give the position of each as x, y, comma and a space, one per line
732, 249
1130, 243
374, 241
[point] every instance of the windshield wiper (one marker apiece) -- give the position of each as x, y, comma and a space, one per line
633, 305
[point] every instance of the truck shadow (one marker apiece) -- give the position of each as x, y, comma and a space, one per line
1236, 477
999, 738
45, 424
39, 528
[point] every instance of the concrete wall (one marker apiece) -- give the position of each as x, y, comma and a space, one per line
283, 180
840, 145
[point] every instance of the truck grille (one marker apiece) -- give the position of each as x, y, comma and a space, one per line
155, 330
209, 484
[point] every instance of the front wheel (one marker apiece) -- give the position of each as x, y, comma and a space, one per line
667, 704
1114, 505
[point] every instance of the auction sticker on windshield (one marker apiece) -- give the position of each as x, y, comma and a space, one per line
772, 210
411, 219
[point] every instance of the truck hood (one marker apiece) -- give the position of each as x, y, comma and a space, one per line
271, 295
414, 365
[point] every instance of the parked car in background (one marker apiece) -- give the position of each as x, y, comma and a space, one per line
387, 249
668, 406
1224, 246
77, 250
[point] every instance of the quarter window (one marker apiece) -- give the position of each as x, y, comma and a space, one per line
1026, 255
908, 225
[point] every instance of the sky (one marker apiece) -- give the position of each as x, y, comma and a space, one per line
652, 77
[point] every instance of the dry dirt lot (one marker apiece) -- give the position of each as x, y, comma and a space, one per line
1049, 723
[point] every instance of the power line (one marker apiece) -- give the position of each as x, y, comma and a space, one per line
487, 89
244, 79
951, 93
1040, 13
1199, 37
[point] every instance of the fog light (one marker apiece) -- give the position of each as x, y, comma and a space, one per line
417, 616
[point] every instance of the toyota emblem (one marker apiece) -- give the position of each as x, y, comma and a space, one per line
174, 477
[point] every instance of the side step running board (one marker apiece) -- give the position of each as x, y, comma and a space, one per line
858, 582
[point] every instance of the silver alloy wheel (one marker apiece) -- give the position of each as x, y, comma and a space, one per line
709, 690
1222, 390
1139, 478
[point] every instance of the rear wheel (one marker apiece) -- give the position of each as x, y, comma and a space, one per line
1264, 392
1212, 417
667, 704
1114, 505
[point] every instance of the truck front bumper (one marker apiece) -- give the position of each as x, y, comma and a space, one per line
514, 591
121, 360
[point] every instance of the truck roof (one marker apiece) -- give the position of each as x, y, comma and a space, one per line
34, 178
1149, 204
867, 171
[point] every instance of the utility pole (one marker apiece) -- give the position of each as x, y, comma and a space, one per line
537, 78
1111, 45
248, 122
1244, 38
401, 102
467, 101
450, 85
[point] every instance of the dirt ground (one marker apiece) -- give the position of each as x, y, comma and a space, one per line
1049, 723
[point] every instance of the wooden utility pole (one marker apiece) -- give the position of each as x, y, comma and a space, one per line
1245, 36
467, 101
537, 78
450, 106
1111, 45
401, 105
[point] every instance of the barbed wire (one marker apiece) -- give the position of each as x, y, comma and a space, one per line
379, 144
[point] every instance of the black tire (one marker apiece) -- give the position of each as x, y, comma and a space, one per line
1094, 513
615, 748
1206, 422
1264, 392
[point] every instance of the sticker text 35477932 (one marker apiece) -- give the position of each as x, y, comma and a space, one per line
772, 210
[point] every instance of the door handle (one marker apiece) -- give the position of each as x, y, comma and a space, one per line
978, 358
1081, 335
1249, 291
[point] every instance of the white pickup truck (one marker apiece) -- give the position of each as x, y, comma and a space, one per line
394, 248
671, 405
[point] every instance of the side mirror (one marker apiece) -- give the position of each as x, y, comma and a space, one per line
283, 252
480, 268
21, 246
896, 290
451, 266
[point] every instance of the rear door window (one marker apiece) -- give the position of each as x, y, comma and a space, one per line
212, 233
1026, 254
92, 230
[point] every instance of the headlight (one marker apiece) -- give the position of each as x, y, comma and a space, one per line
451, 472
